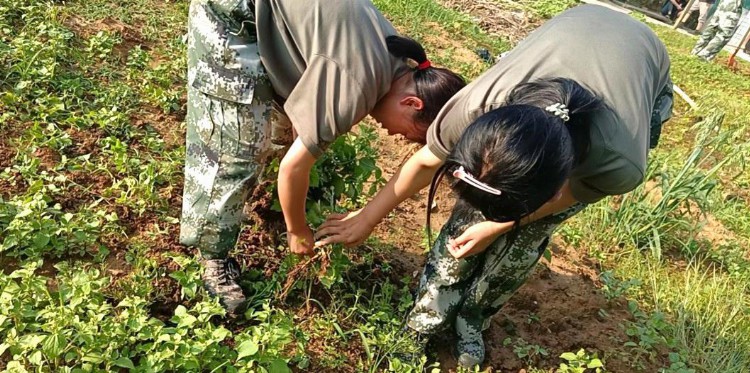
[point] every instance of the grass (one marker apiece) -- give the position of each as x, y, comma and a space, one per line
708, 310
437, 24
699, 285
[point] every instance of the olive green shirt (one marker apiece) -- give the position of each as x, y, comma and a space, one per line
615, 56
328, 61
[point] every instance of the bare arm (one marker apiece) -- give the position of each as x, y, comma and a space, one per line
293, 182
479, 236
353, 228
558, 203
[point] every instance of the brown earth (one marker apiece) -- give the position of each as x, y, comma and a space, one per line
130, 34
501, 19
9, 143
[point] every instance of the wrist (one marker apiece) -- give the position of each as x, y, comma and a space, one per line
370, 217
499, 228
298, 231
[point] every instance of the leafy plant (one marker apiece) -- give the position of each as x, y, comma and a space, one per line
524, 350
35, 225
188, 276
649, 330
580, 362
346, 170
614, 288
76, 326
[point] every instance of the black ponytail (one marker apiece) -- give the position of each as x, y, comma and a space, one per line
403, 47
431, 197
434, 85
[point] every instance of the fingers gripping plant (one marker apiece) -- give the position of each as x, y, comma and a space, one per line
339, 180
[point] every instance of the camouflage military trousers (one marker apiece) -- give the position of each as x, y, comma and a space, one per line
465, 293
719, 29
225, 148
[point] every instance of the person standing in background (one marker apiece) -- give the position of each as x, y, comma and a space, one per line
719, 29
703, 7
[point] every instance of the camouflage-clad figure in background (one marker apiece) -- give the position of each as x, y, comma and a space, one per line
228, 132
467, 292
719, 29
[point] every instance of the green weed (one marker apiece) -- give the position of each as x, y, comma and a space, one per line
580, 362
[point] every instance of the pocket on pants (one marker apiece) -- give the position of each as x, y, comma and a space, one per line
235, 129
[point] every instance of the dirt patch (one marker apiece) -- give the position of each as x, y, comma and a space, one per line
130, 35
561, 309
8, 146
715, 232
48, 158
449, 48
258, 245
740, 67
84, 141
12, 184
85, 189
496, 19
166, 125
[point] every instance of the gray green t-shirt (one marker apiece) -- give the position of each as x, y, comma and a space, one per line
327, 59
615, 56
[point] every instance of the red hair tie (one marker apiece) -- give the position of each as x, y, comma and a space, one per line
424, 65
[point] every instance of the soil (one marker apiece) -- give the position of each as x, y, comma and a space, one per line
165, 125
8, 152
258, 244
739, 67
451, 49
130, 34
496, 18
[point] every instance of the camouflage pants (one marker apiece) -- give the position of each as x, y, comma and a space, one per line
230, 107
465, 293
703, 8
225, 145
719, 29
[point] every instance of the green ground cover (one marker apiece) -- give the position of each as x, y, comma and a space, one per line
91, 108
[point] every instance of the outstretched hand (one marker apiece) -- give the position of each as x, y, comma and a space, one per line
350, 229
477, 238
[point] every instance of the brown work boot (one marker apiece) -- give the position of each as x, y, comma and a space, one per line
220, 280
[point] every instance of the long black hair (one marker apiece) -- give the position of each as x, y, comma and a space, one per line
434, 85
524, 149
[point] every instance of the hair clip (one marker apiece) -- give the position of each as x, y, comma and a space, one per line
461, 174
559, 110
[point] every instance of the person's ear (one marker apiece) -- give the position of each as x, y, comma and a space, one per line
412, 101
